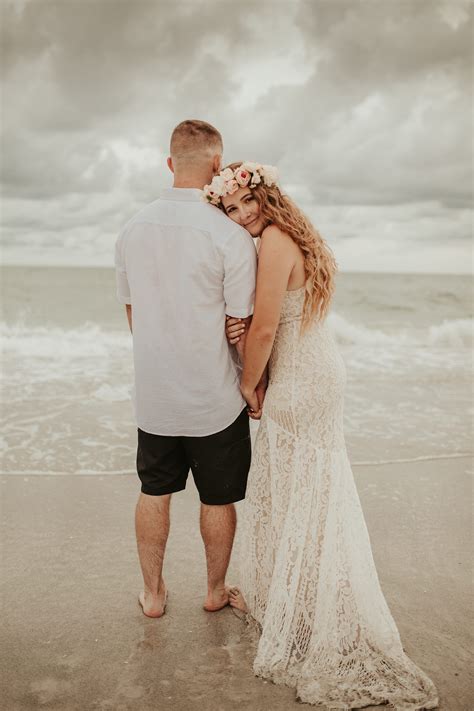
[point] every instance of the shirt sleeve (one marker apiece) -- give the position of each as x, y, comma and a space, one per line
123, 288
240, 273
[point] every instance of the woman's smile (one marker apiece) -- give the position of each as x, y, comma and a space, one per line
243, 208
249, 224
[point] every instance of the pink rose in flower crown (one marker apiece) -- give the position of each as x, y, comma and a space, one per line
242, 177
227, 174
232, 186
212, 192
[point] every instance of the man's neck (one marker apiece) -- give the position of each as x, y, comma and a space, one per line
196, 182
188, 184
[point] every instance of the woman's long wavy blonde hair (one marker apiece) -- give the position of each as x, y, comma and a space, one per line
278, 209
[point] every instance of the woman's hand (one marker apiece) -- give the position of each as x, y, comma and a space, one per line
261, 388
254, 409
234, 329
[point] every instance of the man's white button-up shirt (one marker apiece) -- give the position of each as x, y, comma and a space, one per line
183, 265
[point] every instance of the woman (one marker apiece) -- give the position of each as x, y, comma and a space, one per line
308, 574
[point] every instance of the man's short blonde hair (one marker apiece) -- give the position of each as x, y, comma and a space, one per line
194, 141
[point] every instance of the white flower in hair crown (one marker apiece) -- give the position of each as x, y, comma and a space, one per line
246, 175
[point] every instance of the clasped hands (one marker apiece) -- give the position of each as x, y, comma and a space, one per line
255, 398
235, 332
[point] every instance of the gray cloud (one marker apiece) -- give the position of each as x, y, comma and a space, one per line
360, 103
386, 116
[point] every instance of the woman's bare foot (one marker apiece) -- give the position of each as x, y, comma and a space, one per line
217, 599
153, 607
237, 600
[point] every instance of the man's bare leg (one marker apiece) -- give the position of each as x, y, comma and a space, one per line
152, 525
217, 531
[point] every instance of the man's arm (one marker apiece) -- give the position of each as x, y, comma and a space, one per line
128, 309
240, 271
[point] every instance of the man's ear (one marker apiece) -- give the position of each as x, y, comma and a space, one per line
217, 164
169, 163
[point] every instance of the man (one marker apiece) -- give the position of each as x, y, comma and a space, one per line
181, 267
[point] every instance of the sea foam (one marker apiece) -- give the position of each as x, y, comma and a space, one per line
87, 341
91, 341
457, 333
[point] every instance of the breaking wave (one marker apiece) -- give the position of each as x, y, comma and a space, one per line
91, 341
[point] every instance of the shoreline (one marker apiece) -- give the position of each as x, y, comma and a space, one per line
132, 472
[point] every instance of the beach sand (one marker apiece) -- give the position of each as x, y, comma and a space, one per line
75, 639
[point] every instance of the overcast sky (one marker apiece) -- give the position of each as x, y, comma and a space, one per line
364, 106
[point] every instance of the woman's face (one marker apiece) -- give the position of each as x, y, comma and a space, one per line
243, 208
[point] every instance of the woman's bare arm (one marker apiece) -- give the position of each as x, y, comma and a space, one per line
276, 260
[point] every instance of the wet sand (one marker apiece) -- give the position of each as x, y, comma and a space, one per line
74, 637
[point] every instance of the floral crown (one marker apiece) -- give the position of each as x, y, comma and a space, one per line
246, 175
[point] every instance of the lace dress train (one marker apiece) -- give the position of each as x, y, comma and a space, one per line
307, 572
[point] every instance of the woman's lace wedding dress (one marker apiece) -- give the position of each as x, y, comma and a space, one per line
308, 574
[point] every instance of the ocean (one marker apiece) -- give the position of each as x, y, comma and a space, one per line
67, 369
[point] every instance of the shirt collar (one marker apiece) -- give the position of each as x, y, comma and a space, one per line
185, 194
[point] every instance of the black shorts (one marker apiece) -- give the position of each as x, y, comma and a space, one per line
219, 462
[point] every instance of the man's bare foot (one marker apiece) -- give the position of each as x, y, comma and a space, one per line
237, 600
153, 607
217, 600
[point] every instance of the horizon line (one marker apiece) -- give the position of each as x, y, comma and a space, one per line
36, 265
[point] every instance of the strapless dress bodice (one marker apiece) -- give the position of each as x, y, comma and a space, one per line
292, 307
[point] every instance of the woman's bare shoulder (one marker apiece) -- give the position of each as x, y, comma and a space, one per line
275, 235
